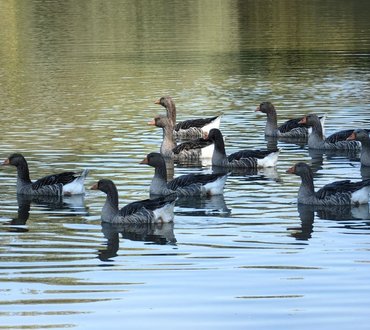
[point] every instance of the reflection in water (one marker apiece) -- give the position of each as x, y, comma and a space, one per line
207, 205
340, 212
251, 174
272, 141
77, 83
317, 156
365, 172
69, 205
157, 233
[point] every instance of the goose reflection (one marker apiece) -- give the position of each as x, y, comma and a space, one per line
204, 206
266, 173
317, 156
338, 213
155, 233
272, 141
71, 205
365, 172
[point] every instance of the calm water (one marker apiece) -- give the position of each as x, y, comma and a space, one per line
77, 84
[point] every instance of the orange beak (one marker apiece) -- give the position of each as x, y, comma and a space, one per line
157, 101
94, 187
144, 161
291, 170
303, 120
351, 137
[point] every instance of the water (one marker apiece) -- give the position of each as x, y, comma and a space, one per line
78, 81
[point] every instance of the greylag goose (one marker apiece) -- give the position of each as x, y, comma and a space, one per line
290, 129
189, 150
362, 136
342, 192
316, 139
191, 128
65, 183
242, 158
184, 185
144, 211
342, 135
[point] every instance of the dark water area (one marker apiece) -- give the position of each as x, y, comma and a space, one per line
78, 80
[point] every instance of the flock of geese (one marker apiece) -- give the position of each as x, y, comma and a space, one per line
204, 140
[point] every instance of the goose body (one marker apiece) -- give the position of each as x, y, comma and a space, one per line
362, 136
240, 159
342, 192
190, 150
65, 183
144, 211
316, 139
191, 128
289, 129
184, 185
342, 135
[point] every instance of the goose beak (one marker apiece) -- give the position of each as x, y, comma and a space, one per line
94, 187
144, 161
303, 120
152, 122
6, 162
291, 170
157, 101
258, 109
351, 137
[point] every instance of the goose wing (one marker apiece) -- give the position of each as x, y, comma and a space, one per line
341, 135
191, 145
200, 122
191, 179
63, 178
249, 154
290, 124
148, 204
343, 186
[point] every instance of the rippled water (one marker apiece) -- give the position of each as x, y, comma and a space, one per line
78, 81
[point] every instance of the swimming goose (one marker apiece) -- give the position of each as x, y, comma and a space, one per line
189, 150
289, 129
144, 211
342, 135
362, 136
192, 128
66, 183
342, 192
242, 158
184, 185
316, 139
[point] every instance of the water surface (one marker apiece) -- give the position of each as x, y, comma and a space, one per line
78, 80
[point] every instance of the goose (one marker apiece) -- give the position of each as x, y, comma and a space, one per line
65, 183
316, 139
144, 211
289, 129
362, 136
191, 128
343, 192
242, 158
189, 150
184, 185
342, 135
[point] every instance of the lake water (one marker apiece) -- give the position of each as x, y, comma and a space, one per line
78, 80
